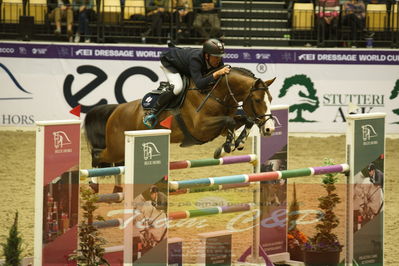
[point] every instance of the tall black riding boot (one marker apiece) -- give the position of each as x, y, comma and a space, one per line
150, 120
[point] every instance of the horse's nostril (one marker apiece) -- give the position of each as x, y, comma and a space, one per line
267, 129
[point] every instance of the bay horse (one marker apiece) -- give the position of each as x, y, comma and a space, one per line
105, 124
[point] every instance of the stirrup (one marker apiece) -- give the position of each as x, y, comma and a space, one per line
148, 121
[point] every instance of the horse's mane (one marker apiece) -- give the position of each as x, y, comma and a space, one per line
245, 71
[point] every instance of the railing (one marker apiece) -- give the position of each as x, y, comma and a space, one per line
128, 23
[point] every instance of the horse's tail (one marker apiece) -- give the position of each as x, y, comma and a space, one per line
95, 123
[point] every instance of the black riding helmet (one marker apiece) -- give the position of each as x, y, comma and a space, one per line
213, 47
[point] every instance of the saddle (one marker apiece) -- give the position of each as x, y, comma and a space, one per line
150, 98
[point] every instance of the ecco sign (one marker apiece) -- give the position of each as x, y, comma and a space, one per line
100, 77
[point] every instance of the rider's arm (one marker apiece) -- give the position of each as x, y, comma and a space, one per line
202, 82
221, 72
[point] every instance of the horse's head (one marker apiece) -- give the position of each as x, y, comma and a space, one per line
256, 101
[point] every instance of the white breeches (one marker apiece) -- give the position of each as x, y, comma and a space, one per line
174, 79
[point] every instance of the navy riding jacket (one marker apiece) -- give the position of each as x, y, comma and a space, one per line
191, 63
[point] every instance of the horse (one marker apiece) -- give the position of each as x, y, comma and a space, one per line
201, 118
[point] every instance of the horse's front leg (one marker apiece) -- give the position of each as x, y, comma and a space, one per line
226, 146
240, 141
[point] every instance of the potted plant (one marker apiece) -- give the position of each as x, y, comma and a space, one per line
295, 238
324, 247
12, 249
90, 251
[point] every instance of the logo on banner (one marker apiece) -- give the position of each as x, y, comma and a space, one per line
16, 83
61, 140
63, 51
22, 50
40, 51
246, 56
300, 88
261, 68
277, 126
394, 94
287, 56
4, 50
150, 150
74, 96
369, 134
264, 56
307, 57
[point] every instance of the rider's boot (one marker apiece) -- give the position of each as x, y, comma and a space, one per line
150, 120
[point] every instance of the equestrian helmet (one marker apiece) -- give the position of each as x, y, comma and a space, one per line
370, 167
213, 47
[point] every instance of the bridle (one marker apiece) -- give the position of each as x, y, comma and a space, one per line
258, 119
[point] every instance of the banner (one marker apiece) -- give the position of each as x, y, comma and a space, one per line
45, 81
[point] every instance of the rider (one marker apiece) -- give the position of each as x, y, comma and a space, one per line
191, 62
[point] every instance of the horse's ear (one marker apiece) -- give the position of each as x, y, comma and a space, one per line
270, 81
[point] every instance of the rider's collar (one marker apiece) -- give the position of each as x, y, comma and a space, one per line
208, 66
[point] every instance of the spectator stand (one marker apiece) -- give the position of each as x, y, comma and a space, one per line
243, 23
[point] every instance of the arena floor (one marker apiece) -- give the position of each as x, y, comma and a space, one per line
17, 186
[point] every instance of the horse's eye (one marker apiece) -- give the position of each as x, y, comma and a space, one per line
258, 100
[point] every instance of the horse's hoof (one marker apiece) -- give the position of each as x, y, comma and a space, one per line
117, 189
239, 145
227, 147
217, 153
94, 186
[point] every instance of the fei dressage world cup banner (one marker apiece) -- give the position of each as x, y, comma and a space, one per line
43, 81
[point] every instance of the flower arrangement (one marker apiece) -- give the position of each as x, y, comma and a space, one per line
296, 239
324, 240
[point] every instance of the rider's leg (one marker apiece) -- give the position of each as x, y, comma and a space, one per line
174, 79
176, 86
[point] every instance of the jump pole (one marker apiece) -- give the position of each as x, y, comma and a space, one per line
117, 170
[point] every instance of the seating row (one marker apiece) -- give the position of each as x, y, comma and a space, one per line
376, 17
11, 10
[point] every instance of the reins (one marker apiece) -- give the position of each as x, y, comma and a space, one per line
209, 95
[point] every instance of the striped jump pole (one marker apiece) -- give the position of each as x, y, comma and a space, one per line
209, 211
107, 171
111, 197
184, 214
266, 176
250, 158
207, 188
108, 223
119, 197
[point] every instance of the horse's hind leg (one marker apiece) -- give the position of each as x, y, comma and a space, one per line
95, 157
118, 180
93, 183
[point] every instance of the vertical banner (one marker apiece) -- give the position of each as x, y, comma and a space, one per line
175, 251
57, 191
146, 186
366, 138
273, 194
